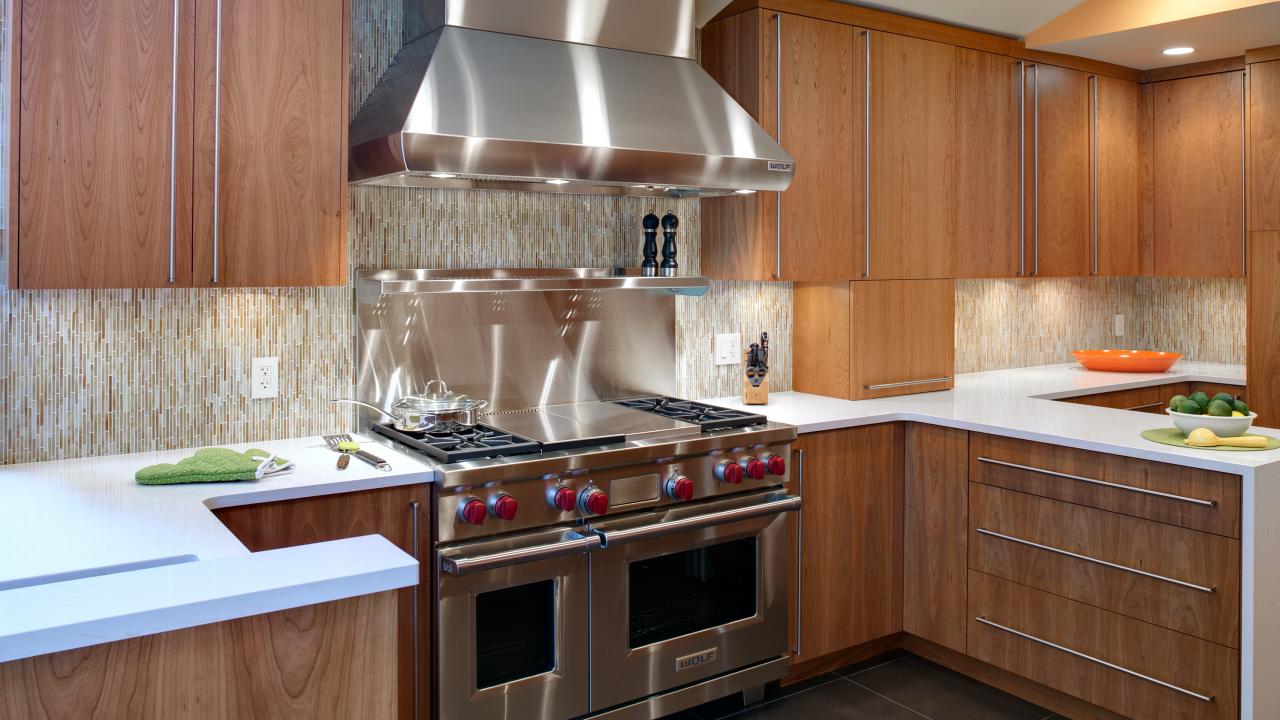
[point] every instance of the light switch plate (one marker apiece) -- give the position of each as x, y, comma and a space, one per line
264, 378
728, 348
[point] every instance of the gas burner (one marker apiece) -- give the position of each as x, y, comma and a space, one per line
462, 443
709, 417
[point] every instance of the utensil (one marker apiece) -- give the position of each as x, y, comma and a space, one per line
335, 441
1221, 426
1148, 361
429, 411
1204, 437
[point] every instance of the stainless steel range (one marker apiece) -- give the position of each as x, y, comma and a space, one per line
601, 553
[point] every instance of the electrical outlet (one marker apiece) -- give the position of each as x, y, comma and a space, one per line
264, 378
1119, 325
728, 348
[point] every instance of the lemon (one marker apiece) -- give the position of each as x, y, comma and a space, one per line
1236, 413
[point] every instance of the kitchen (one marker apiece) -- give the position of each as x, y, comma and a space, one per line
907, 500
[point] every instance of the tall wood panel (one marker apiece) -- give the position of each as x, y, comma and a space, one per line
1199, 176
935, 534
1263, 336
1058, 218
101, 163
1264, 145
1117, 190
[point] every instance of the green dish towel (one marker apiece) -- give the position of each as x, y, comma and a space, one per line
215, 465
1174, 436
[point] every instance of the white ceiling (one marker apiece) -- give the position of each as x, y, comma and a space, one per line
1013, 18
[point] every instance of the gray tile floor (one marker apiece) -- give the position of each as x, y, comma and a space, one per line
896, 686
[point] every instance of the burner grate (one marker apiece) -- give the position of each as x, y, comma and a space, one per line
709, 417
461, 443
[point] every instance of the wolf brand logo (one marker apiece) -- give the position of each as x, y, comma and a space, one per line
779, 166
688, 662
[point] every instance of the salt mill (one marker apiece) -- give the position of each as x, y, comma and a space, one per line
649, 267
669, 224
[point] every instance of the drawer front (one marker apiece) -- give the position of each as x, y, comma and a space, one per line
1192, 498
1127, 666
1181, 579
1146, 399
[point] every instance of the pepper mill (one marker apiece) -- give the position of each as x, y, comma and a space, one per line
669, 224
649, 267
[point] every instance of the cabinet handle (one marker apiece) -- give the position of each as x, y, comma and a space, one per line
1244, 174
217, 130
1035, 168
799, 550
1092, 659
777, 79
866, 156
173, 146
1093, 122
1022, 168
907, 383
1103, 483
1096, 561
1145, 406
413, 622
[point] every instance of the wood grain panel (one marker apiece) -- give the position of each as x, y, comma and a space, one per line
913, 158
1172, 657
1208, 67
989, 187
334, 660
901, 330
1221, 488
1199, 192
1191, 556
822, 335
1061, 228
1263, 333
96, 197
281, 104
851, 563
935, 532
1262, 54
1119, 192
1146, 178
1264, 146
1145, 399
387, 512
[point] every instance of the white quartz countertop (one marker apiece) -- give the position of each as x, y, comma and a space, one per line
87, 555
1018, 403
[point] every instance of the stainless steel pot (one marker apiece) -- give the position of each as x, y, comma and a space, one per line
440, 410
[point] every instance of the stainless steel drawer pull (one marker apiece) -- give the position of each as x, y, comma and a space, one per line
217, 133
1145, 406
1092, 659
413, 621
480, 563
698, 522
1103, 483
799, 453
777, 79
908, 383
1096, 561
173, 149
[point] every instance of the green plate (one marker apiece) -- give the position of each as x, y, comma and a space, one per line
1174, 436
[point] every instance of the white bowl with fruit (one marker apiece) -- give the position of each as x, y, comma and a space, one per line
1225, 415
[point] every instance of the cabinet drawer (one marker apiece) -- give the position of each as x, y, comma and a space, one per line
1197, 499
1144, 399
1171, 576
1128, 666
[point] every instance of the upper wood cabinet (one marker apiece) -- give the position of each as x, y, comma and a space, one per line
1117, 192
1264, 145
1198, 176
1059, 228
150, 138
814, 112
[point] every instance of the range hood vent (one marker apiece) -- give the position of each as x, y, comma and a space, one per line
581, 96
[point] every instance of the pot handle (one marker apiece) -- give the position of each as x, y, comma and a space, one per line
365, 404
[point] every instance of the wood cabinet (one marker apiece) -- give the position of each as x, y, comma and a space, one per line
1117, 191
119, 106
1058, 214
849, 580
859, 340
1153, 398
935, 534
401, 515
1263, 328
1264, 145
1198, 155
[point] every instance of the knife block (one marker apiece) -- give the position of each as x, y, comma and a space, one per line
753, 394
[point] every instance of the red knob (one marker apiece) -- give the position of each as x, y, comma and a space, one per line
776, 465
594, 501
755, 469
472, 511
729, 471
504, 507
564, 499
680, 487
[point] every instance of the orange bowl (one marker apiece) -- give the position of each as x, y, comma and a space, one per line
1138, 361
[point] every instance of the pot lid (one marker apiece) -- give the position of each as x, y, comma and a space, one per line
438, 401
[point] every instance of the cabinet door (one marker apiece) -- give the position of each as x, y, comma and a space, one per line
1264, 145
271, 154
1199, 177
850, 555
102, 163
1116, 190
1263, 335
1059, 205
935, 536
913, 158
989, 145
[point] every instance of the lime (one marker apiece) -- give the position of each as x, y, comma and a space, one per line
1190, 407
1175, 401
1200, 399
1219, 408
1240, 407
1224, 397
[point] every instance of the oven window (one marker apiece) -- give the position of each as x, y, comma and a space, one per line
689, 591
515, 633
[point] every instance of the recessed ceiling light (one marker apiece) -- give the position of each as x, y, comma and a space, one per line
745, 192
557, 182
1179, 50
443, 176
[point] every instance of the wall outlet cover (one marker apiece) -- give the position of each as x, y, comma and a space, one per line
728, 348
264, 378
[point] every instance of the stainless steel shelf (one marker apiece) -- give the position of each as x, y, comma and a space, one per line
392, 282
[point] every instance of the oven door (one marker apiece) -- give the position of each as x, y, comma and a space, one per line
513, 627
687, 593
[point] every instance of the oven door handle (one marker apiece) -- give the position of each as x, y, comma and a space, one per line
697, 522
459, 566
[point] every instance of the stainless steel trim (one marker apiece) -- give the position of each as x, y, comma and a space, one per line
217, 131
907, 383
799, 552
1035, 169
699, 693
1144, 406
866, 156
1103, 483
777, 81
413, 622
395, 282
173, 148
1244, 173
1022, 168
1096, 561
610, 538
480, 563
1093, 122
1090, 658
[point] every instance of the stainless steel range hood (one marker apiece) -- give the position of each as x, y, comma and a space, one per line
584, 96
